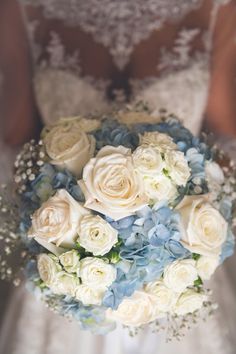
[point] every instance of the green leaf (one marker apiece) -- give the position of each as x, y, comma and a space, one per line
196, 256
166, 172
198, 283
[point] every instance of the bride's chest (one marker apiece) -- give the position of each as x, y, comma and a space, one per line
118, 40
87, 60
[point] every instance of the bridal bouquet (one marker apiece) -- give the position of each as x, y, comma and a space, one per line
122, 219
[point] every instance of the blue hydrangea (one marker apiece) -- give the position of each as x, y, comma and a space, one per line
92, 318
113, 133
150, 242
228, 247
225, 208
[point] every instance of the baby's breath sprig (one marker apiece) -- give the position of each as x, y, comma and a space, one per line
9, 235
28, 163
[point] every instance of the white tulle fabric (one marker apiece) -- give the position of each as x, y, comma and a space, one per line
181, 86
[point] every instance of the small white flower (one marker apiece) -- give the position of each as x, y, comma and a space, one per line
206, 266
96, 274
165, 298
65, 284
148, 160
214, 173
189, 302
70, 261
96, 235
89, 296
215, 180
180, 274
48, 268
160, 141
177, 167
160, 188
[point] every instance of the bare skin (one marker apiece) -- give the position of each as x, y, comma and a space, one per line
20, 115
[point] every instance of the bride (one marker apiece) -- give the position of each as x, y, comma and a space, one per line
84, 56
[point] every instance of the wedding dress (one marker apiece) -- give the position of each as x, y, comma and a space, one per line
178, 83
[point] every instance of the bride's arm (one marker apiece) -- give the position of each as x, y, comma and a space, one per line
18, 109
221, 108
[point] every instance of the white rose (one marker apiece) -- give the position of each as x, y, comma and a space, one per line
165, 298
110, 184
189, 302
57, 221
70, 261
135, 310
206, 266
48, 268
177, 167
148, 160
65, 284
180, 274
68, 146
89, 296
204, 229
96, 235
160, 141
130, 118
160, 188
96, 273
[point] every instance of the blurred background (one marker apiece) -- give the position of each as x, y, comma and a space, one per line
50, 56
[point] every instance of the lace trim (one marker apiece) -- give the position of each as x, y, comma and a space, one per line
180, 56
118, 25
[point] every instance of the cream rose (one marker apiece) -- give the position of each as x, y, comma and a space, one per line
110, 184
89, 296
57, 221
204, 229
48, 267
160, 188
148, 161
165, 298
189, 302
177, 166
70, 261
96, 235
65, 284
206, 266
131, 118
160, 141
68, 146
96, 274
180, 274
135, 310
78, 122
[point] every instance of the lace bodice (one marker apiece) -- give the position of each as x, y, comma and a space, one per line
176, 53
